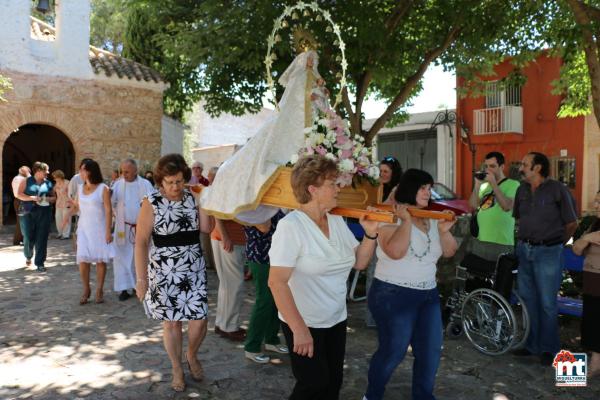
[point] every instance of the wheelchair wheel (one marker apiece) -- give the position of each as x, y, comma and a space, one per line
522, 319
454, 329
489, 321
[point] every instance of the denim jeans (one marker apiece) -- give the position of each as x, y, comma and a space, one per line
540, 272
36, 228
405, 317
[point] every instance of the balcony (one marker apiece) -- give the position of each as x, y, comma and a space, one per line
498, 120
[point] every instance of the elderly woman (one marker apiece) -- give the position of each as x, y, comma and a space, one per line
172, 284
36, 193
403, 298
589, 245
311, 256
61, 214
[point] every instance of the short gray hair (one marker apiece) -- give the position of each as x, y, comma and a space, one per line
197, 164
130, 161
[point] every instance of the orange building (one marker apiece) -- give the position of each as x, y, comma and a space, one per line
518, 119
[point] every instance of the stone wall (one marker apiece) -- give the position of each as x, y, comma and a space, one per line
103, 121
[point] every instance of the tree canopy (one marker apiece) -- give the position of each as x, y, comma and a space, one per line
389, 45
214, 51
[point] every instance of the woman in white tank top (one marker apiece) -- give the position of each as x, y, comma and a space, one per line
403, 298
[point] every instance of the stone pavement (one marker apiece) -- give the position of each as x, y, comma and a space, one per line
53, 348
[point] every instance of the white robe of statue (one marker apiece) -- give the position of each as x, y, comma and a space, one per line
126, 200
242, 178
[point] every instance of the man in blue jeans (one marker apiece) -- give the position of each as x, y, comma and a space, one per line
546, 215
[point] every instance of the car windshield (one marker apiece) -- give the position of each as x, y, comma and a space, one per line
441, 192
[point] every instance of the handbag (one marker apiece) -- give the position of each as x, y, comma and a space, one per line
25, 208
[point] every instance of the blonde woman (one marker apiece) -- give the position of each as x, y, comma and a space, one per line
62, 215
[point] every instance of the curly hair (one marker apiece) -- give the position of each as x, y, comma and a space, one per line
311, 170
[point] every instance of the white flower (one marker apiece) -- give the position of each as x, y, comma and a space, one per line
308, 131
294, 158
374, 172
326, 142
346, 165
330, 156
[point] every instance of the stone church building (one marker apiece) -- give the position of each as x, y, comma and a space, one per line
71, 100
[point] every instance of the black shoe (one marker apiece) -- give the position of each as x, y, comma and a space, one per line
546, 359
522, 352
41, 268
124, 295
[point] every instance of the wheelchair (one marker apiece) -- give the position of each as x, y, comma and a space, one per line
485, 306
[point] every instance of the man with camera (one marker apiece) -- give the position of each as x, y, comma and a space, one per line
492, 197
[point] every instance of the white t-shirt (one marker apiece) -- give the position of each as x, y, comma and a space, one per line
416, 270
321, 266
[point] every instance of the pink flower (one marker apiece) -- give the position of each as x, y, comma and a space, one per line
321, 150
341, 139
309, 150
346, 153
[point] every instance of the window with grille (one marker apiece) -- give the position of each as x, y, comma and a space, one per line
563, 170
500, 95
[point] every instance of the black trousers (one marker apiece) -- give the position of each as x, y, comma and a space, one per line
319, 377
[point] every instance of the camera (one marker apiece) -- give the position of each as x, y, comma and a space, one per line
480, 175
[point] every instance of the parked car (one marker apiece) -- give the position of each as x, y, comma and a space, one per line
443, 198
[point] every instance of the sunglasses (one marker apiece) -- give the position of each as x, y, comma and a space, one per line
390, 159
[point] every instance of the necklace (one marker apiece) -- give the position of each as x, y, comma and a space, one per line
420, 257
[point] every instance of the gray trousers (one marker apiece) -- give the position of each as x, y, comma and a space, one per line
230, 270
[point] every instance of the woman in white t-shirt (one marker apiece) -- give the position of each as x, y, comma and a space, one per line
403, 297
312, 253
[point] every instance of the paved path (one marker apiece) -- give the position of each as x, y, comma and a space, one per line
53, 348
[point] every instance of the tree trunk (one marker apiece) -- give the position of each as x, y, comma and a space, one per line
584, 14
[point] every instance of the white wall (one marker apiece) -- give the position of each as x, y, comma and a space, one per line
225, 129
445, 142
171, 132
67, 56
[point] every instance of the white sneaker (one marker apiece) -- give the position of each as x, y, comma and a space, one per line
277, 348
258, 358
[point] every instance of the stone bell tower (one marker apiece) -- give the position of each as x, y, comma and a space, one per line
29, 46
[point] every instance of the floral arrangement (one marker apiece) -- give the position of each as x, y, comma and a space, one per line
329, 136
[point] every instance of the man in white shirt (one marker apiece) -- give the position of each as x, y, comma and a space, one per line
24, 173
127, 195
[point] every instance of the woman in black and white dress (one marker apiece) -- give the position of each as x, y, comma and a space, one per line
172, 282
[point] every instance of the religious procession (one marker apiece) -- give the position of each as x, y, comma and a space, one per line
282, 221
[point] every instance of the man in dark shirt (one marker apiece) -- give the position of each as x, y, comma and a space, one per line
546, 216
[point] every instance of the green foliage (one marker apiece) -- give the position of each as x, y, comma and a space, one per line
5, 85
215, 50
574, 84
108, 22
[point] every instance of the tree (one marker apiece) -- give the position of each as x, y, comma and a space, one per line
577, 34
389, 45
108, 19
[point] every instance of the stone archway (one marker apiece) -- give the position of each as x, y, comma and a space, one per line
30, 143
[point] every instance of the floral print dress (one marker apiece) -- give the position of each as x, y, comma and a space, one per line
176, 274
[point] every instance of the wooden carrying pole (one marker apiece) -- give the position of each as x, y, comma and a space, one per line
381, 216
419, 212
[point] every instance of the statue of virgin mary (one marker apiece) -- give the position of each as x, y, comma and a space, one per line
243, 179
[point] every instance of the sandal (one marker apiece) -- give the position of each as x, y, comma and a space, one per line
176, 385
197, 373
84, 297
99, 297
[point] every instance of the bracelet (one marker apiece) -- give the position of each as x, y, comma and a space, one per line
372, 237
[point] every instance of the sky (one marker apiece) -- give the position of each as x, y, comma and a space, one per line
438, 93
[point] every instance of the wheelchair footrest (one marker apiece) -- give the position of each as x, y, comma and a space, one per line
569, 306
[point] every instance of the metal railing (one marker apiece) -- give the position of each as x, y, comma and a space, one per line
498, 120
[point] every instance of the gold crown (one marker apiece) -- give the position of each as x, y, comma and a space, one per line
303, 40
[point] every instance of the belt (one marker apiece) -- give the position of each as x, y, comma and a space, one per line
184, 238
549, 242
